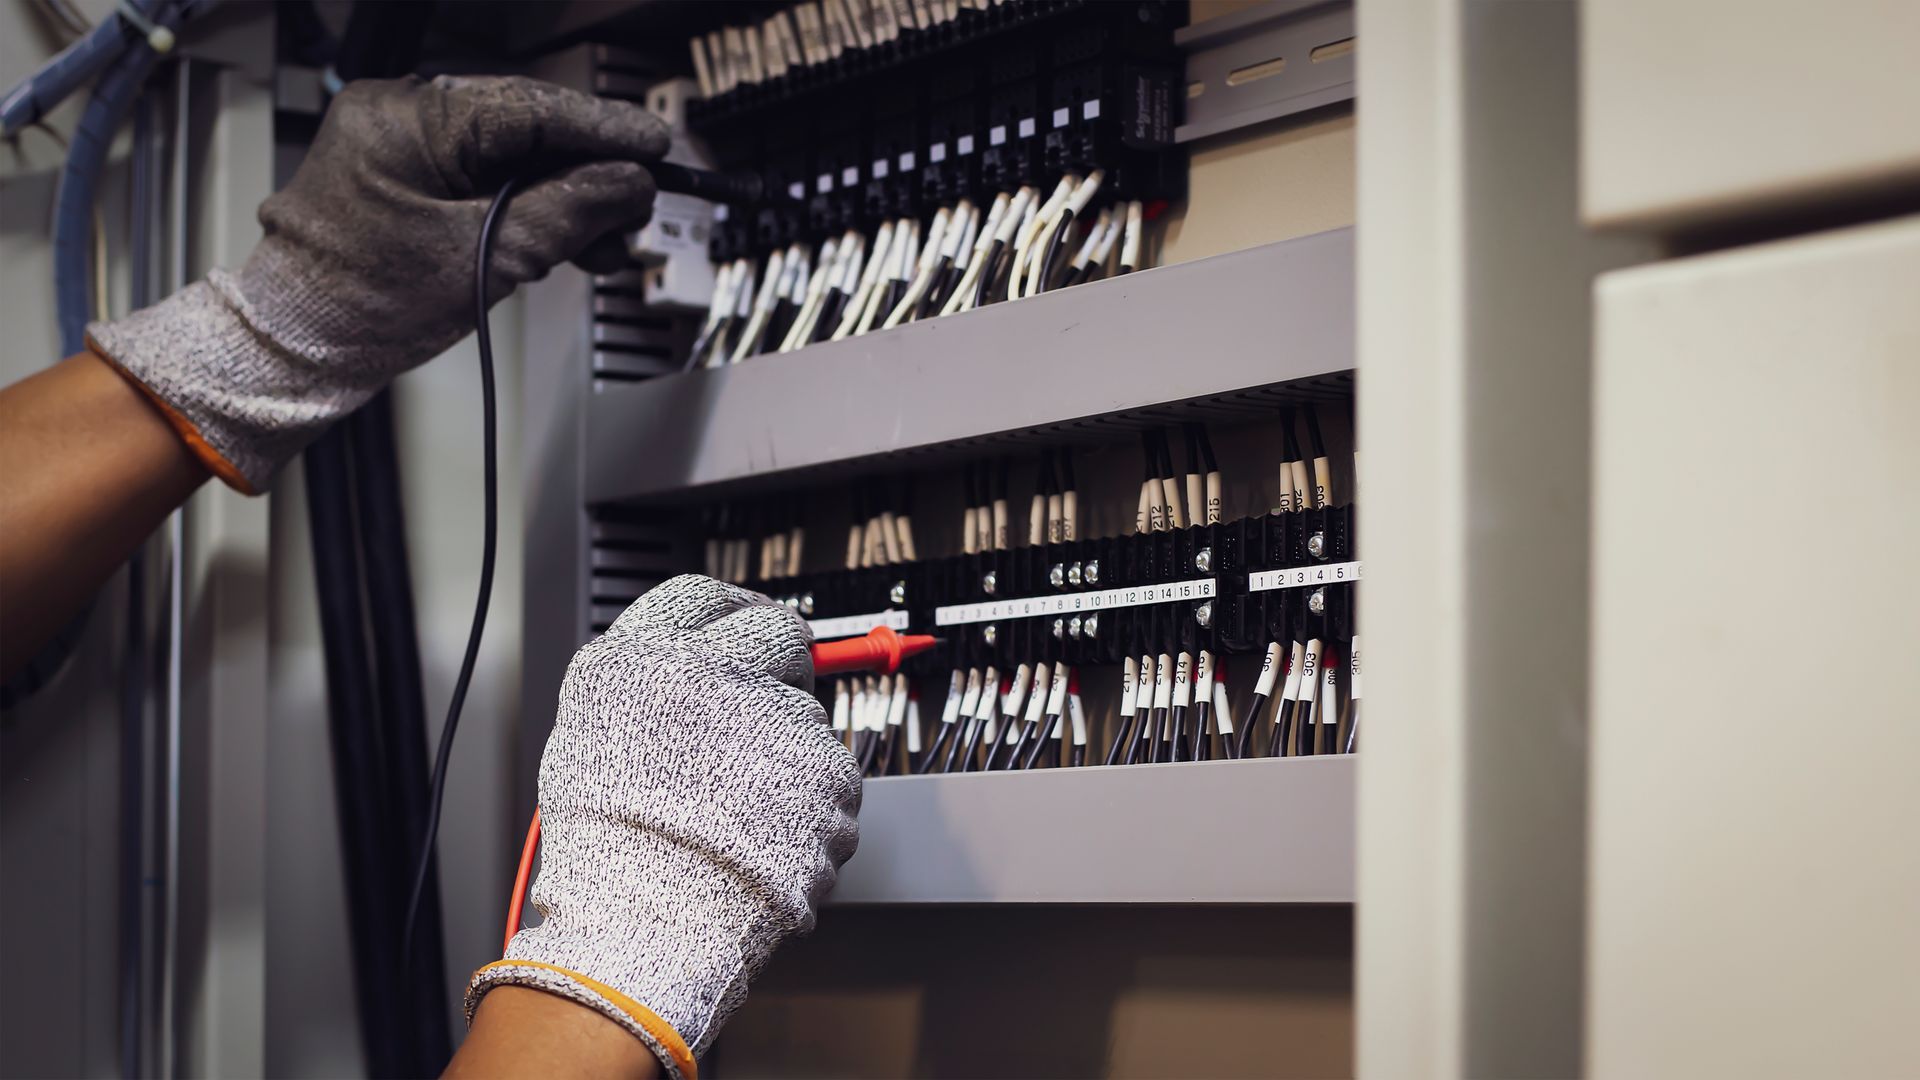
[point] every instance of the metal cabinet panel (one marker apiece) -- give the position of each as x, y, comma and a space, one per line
1755, 884
1694, 111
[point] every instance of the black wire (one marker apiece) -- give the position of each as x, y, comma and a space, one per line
488, 538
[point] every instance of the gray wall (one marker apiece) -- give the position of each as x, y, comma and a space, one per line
276, 934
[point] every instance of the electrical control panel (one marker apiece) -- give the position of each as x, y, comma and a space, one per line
940, 383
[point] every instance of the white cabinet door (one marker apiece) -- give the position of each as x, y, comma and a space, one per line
1695, 110
1755, 868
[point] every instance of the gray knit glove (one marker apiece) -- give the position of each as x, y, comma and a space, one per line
366, 268
695, 809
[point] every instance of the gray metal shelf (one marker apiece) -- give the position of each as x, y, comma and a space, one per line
1234, 332
1129, 834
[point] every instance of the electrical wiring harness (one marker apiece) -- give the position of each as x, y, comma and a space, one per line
923, 159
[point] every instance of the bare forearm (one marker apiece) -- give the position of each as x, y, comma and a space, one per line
88, 468
522, 1032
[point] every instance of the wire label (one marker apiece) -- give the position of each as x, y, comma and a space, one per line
1301, 577
847, 626
1073, 603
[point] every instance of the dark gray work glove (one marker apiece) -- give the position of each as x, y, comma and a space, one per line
695, 808
366, 269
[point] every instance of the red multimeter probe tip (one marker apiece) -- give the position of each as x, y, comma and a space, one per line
881, 651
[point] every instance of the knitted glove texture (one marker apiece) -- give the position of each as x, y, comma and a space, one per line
366, 266
695, 809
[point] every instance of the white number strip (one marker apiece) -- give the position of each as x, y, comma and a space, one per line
1073, 603
856, 625
1300, 577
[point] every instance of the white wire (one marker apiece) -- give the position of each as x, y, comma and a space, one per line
963, 249
857, 302
762, 304
1130, 249
831, 255
906, 245
983, 240
1015, 216
941, 237
1105, 250
722, 299
1092, 239
1030, 230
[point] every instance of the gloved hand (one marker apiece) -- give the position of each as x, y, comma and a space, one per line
366, 269
695, 809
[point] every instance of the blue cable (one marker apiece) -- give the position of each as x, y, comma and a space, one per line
37, 94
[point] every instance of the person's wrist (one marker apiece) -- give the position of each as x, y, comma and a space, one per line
659, 922
524, 1031
176, 352
250, 367
662, 1040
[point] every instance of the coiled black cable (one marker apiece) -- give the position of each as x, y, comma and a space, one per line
490, 515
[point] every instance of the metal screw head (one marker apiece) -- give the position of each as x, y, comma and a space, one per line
1092, 573
1073, 575
1203, 560
1090, 626
1057, 575
989, 581
806, 603
1203, 613
1317, 545
1317, 601
1073, 627
1059, 628
990, 634
897, 594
